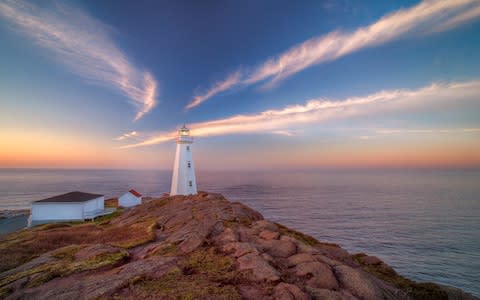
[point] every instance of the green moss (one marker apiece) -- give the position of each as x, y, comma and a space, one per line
305, 238
202, 274
149, 235
176, 285
188, 288
15, 237
52, 226
4, 292
96, 262
415, 290
68, 252
104, 220
65, 266
14, 277
211, 264
167, 250
41, 278
230, 224
161, 202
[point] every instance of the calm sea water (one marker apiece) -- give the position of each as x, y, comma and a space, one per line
426, 224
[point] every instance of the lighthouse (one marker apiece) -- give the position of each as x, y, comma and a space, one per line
183, 178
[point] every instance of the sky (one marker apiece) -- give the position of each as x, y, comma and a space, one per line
261, 84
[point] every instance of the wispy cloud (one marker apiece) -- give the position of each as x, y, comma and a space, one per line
464, 17
85, 45
426, 17
218, 87
433, 97
128, 135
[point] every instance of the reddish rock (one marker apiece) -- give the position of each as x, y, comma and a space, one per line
278, 248
251, 292
299, 258
286, 291
261, 225
324, 294
336, 253
262, 270
321, 276
268, 258
228, 235
327, 260
191, 243
372, 260
269, 235
96, 285
246, 234
245, 214
95, 250
241, 251
238, 249
358, 283
302, 247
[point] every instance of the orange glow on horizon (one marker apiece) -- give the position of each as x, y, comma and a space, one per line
44, 150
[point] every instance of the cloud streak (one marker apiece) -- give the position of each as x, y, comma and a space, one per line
128, 135
218, 87
85, 46
428, 16
437, 96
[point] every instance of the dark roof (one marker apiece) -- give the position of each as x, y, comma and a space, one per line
135, 193
71, 197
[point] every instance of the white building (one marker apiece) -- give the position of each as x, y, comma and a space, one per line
72, 206
130, 198
183, 179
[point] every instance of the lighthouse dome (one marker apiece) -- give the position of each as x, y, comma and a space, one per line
184, 135
184, 131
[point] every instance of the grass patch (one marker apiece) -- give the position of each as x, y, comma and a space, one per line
68, 252
230, 224
96, 262
144, 233
203, 274
14, 277
4, 292
64, 266
167, 250
20, 247
209, 263
104, 220
175, 285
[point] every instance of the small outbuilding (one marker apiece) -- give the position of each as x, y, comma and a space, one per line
73, 206
130, 198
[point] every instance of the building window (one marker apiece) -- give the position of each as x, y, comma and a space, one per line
189, 164
189, 183
188, 148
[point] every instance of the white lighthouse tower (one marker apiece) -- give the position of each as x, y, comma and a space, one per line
183, 179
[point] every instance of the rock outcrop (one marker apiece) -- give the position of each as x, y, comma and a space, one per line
193, 247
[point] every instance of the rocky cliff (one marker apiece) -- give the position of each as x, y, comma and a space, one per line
195, 247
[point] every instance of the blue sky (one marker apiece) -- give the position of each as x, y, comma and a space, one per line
262, 84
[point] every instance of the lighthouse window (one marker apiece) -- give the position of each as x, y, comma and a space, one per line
189, 164
188, 148
190, 183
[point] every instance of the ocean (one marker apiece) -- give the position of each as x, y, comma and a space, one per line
424, 223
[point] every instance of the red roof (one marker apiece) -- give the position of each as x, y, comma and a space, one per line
135, 193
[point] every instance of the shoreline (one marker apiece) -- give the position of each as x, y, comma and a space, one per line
234, 252
11, 213
13, 224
